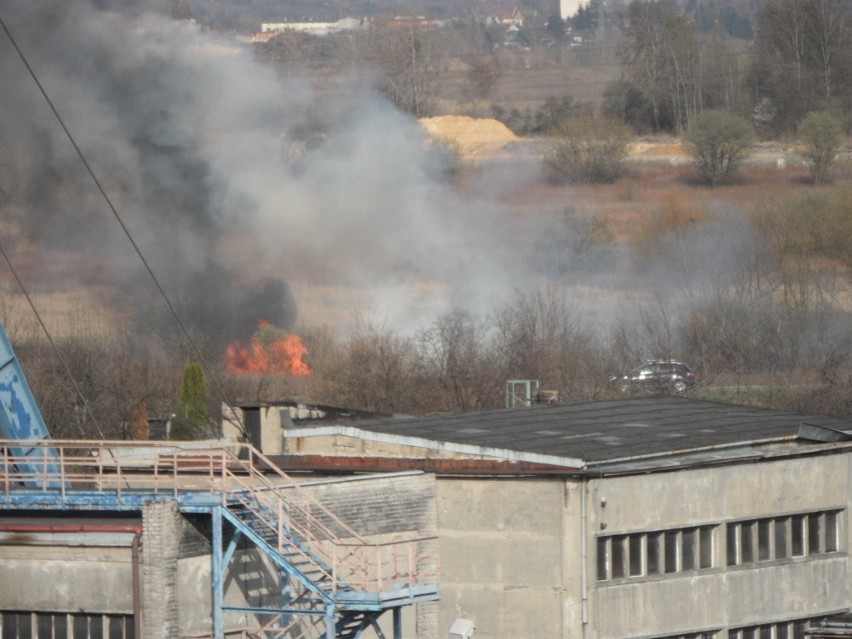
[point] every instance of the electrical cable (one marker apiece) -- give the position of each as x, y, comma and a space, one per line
53, 346
119, 219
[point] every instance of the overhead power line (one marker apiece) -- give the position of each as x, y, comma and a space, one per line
116, 215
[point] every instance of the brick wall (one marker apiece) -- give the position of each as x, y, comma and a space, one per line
160, 542
402, 503
380, 505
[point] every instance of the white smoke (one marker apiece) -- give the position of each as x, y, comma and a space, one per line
238, 185
253, 199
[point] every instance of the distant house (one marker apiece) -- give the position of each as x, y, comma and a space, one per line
502, 14
314, 28
655, 517
569, 8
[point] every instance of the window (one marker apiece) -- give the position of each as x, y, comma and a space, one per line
781, 548
797, 535
746, 550
603, 558
693, 635
705, 547
655, 552
635, 555
46, 625
652, 563
763, 527
781, 538
831, 532
618, 556
782, 630
688, 546
671, 550
731, 544
814, 529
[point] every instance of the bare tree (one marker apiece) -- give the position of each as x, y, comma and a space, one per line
540, 336
374, 370
803, 59
661, 56
459, 364
410, 60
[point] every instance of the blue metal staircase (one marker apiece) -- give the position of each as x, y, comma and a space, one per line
322, 577
333, 582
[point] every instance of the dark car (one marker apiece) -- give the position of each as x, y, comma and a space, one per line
656, 375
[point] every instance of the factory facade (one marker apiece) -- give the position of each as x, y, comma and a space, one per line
648, 517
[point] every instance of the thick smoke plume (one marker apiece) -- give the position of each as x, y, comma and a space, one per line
233, 182
252, 199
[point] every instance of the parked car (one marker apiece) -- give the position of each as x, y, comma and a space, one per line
656, 375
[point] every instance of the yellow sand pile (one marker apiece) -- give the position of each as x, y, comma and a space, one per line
470, 136
656, 148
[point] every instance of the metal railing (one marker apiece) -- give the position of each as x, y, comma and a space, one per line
238, 477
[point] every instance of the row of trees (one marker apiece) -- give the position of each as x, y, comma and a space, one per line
764, 297
799, 61
588, 149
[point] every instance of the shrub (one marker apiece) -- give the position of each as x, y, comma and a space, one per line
821, 135
718, 141
625, 101
587, 150
193, 421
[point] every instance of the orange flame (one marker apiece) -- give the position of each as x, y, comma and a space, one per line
271, 352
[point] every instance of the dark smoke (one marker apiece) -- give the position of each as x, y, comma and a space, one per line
241, 188
247, 192
128, 91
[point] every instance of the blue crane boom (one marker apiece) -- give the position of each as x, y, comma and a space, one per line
21, 419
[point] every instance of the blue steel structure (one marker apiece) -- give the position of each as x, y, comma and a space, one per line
20, 418
329, 581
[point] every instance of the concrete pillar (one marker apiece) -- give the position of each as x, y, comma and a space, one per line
427, 613
160, 543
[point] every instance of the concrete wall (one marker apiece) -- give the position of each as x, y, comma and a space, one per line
160, 541
721, 597
353, 446
63, 579
518, 556
503, 559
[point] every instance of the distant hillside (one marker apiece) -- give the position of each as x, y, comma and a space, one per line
736, 17
246, 15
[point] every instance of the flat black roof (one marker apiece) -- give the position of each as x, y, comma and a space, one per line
603, 430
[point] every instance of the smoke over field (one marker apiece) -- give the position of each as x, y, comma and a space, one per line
254, 199
237, 185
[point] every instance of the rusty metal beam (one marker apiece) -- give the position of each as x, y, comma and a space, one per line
357, 464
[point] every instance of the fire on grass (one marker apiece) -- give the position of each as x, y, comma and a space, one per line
271, 351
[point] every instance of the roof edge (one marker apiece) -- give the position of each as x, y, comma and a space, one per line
431, 444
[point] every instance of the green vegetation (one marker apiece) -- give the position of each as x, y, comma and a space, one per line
812, 230
821, 135
192, 421
587, 150
719, 141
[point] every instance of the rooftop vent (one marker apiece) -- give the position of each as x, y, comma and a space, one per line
462, 629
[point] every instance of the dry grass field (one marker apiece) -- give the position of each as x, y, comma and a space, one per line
660, 178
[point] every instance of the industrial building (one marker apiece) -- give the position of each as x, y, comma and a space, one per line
653, 516
173, 541
638, 517
124, 539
